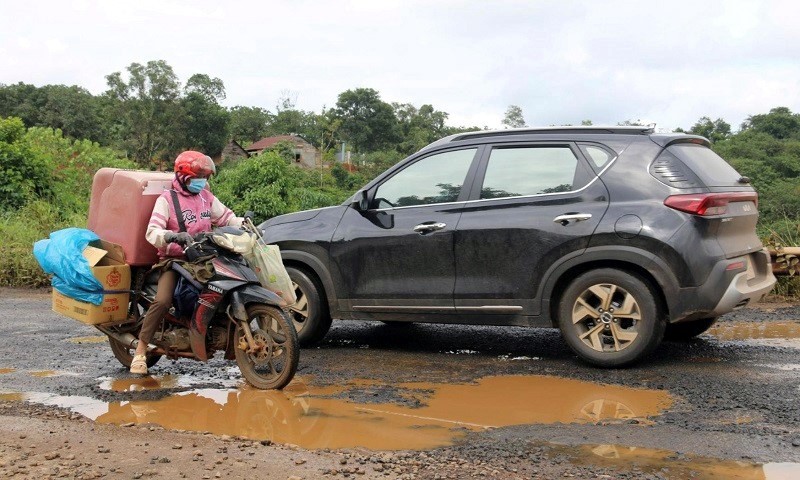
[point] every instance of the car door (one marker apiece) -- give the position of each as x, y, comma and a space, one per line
531, 204
397, 255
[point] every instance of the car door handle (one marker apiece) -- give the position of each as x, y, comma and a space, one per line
429, 227
568, 218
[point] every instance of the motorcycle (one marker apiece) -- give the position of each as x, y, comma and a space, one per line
233, 313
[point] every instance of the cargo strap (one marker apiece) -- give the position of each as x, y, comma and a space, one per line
178, 211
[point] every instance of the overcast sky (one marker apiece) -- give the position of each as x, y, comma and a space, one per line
561, 61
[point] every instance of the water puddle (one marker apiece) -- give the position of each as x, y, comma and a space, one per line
780, 334
92, 339
161, 382
4, 371
86, 406
673, 465
323, 417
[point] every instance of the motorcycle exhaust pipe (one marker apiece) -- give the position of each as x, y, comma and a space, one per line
126, 339
131, 342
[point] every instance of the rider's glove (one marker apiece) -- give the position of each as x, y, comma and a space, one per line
182, 238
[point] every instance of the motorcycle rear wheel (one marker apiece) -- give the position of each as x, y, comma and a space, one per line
125, 354
275, 364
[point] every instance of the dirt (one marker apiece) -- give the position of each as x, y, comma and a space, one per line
478, 401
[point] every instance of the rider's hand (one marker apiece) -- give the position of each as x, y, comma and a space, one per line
182, 238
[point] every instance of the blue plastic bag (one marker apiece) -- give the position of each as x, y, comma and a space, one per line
62, 256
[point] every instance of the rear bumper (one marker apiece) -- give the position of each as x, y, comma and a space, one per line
743, 291
727, 288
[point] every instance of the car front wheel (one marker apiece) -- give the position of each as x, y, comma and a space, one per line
310, 313
610, 318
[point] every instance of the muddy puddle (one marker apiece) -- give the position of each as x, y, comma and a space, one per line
673, 465
781, 334
423, 415
4, 371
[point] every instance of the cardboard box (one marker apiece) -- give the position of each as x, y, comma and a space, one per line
107, 261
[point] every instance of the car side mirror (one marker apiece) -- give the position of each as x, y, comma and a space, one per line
361, 201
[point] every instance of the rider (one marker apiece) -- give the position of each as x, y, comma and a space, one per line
200, 211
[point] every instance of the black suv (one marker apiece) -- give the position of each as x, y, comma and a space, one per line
616, 235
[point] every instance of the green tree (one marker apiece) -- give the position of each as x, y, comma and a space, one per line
150, 114
715, 131
75, 111
23, 101
211, 89
418, 127
367, 122
25, 175
249, 124
780, 122
207, 124
513, 117
267, 185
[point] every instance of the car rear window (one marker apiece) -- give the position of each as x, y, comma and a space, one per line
711, 169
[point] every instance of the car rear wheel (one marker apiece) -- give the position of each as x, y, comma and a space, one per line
677, 332
610, 318
310, 313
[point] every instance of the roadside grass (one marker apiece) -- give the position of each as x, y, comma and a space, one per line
18, 232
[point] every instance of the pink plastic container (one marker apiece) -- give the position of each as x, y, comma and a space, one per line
120, 208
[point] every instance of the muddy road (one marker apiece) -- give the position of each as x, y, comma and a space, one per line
409, 401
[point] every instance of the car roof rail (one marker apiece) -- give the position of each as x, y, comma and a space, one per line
596, 129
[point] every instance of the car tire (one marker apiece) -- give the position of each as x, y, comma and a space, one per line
677, 332
310, 315
610, 317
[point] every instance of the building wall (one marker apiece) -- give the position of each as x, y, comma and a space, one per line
233, 151
309, 156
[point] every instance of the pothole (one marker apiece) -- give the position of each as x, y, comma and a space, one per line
317, 417
669, 464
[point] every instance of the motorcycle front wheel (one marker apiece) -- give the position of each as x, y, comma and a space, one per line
273, 363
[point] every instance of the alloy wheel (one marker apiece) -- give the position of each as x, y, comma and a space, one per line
606, 317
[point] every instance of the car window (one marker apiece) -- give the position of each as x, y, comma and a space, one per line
434, 179
599, 156
712, 169
519, 171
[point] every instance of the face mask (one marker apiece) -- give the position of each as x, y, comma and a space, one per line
196, 185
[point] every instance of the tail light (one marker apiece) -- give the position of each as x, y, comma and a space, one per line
708, 204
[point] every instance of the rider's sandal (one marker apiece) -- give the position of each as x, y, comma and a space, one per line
139, 364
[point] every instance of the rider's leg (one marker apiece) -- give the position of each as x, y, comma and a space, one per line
159, 307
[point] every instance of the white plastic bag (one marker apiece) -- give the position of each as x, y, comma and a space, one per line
266, 261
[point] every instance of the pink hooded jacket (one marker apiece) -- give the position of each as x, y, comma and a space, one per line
201, 212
